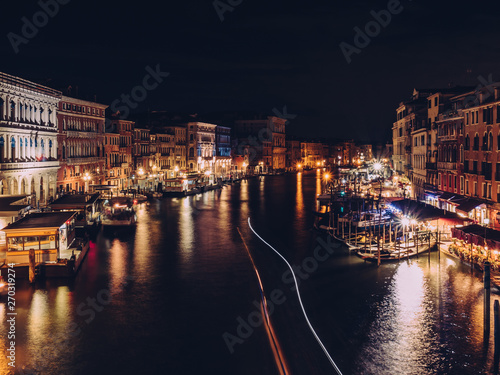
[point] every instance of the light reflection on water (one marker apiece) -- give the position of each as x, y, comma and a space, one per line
183, 277
430, 321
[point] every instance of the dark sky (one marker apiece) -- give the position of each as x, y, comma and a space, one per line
265, 54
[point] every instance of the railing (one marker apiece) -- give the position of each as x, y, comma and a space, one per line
83, 160
448, 137
447, 165
80, 133
29, 165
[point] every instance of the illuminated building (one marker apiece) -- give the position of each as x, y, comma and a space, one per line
28, 138
81, 144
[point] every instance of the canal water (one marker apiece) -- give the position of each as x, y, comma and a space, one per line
180, 296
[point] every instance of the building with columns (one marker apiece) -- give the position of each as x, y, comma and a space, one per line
28, 138
201, 146
81, 144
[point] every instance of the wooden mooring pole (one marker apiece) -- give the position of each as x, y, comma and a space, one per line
415, 241
429, 244
497, 336
486, 313
32, 265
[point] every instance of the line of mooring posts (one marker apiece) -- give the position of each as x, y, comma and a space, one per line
496, 354
486, 316
487, 292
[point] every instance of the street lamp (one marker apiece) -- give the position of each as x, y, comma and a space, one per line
377, 166
327, 177
86, 178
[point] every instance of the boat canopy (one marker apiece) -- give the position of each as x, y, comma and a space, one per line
421, 211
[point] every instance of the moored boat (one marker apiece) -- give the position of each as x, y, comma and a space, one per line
118, 212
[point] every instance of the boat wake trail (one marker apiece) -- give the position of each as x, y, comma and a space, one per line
300, 301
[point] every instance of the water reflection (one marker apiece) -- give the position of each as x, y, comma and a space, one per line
186, 229
416, 317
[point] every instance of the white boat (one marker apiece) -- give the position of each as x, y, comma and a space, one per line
371, 219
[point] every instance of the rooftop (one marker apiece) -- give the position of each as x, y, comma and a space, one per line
41, 220
74, 201
12, 203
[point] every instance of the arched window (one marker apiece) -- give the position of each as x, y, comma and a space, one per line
13, 148
485, 142
2, 145
490, 141
461, 154
475, 147
454, 154
50, 148
12, 111
191, 152
467, 141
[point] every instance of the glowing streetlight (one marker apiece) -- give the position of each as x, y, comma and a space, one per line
377, 166
326, 176
405, 221
299, 165
140, 172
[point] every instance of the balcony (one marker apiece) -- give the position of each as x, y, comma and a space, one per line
447, 165
29, 165
431, 166
448, 137
83, 160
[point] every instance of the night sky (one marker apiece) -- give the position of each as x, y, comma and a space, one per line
264, 55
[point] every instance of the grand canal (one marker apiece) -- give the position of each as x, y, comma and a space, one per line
160, 300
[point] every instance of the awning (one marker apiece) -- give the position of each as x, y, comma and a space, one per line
468, 205
446, 195
478, 235
424, 212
